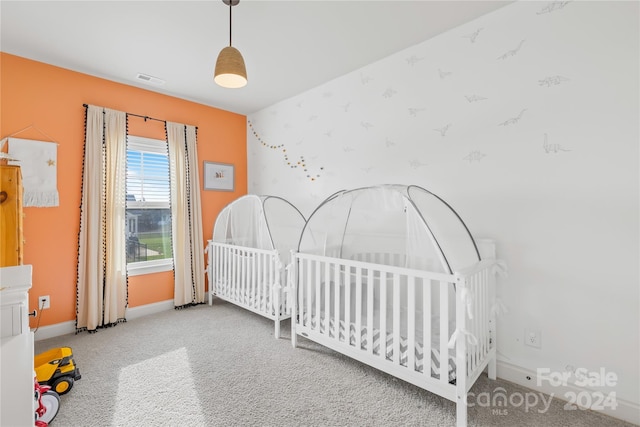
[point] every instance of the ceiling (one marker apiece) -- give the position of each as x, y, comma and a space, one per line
288, 46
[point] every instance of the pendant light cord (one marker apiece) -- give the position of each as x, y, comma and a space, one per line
230, 8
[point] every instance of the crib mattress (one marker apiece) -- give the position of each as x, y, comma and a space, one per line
387, 347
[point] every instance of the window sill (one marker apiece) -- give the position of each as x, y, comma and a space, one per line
149, 267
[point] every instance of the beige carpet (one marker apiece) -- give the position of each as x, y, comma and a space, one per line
221, 366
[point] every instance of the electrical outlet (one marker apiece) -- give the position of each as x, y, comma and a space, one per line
532, 338
44, 302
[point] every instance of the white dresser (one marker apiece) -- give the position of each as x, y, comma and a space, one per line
16, 351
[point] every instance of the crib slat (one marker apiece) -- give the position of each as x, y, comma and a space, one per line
216, 270
264, 301
285, 296
317, 284
242, 259
271, 307
236, 281
487, 304
227, 273
277, 286
234, 277
347, 304
336, 307
246, 276
274, 290
411, 323
265, 289
224, 273
273, 284
487, 311
484, 304
264, 283
301, 269
259, 280
383, 314
472, 350
444, 332
252, 279
308, 295
327, 297
243, 276
479, 318
229, 277
426, 327
302, 264
219, 273
233, 255
358, 303
269, 302
396, 318
253, 275
370, 312
232, 274
471, 324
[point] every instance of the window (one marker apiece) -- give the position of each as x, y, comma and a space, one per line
148, 206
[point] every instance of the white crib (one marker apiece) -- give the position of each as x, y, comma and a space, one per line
244, 266
250, 278
391, 276
436, 320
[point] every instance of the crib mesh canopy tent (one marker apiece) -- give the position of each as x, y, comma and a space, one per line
261, 222
419, 228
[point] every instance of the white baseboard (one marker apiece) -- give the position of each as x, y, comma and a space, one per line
64, 328
145, 310
69, 327
625, 410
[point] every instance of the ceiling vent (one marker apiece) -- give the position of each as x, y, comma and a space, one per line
145, 78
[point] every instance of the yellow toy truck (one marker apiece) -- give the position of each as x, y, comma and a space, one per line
57, 369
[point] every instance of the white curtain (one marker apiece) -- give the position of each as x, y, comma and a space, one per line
102, 278
186, 215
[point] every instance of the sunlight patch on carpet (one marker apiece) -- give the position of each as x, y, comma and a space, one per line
158, 390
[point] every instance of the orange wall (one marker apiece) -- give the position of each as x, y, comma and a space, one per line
51, 98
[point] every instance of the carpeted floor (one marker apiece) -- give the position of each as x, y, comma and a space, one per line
221, 366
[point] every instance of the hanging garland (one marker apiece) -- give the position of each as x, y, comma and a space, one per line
301, 163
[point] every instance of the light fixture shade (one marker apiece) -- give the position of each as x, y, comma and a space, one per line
230, 70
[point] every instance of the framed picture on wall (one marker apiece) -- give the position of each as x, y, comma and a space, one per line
219, 176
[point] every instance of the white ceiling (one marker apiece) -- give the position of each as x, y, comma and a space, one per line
288, 46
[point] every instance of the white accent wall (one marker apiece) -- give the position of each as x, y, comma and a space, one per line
526, 121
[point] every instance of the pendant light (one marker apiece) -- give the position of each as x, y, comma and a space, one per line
230, 70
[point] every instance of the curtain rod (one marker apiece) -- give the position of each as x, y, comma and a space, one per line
138, 115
